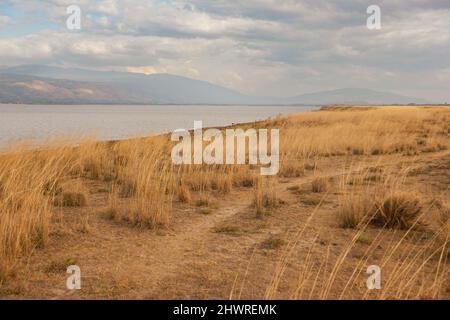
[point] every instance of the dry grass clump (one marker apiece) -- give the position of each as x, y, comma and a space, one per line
184, 194
206, 211
229, 229
265, 197
272, 243
140, 212
353, 209
291, 170
320, 185
243, 177
58, 266
127, 189
377, 197
311, 201
72, 195
311, 166
52, 189
297, 190
385, 204
223, 183
71, 199
204, 200
399, 210
364, 240
442, 206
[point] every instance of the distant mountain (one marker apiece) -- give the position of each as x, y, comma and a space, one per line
37, 90
141, 88
46, 84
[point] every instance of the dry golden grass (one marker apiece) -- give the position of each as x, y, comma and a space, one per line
144, 185
388, 206
353, 208
399, 210
320, 185
265, 197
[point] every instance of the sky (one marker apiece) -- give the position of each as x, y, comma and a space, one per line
258, 47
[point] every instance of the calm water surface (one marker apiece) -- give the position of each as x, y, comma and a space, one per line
39, 123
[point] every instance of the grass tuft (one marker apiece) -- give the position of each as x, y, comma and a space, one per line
58, 266
320, 185
398, 211
272, 243
71, 199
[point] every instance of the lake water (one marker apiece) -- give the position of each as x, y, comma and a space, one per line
110, 122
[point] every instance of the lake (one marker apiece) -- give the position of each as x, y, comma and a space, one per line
38, 123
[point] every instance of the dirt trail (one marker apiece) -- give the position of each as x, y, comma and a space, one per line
143, 259
192, 242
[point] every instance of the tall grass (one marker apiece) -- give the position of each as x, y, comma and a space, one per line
28, 185
414, 262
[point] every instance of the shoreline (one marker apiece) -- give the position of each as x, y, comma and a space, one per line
30, 144
35, 143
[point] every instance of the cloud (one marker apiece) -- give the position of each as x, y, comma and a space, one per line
5, 20
266, 47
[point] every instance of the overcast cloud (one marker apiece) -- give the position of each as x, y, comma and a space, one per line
263, 47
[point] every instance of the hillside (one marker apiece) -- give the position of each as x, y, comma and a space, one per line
44, 84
